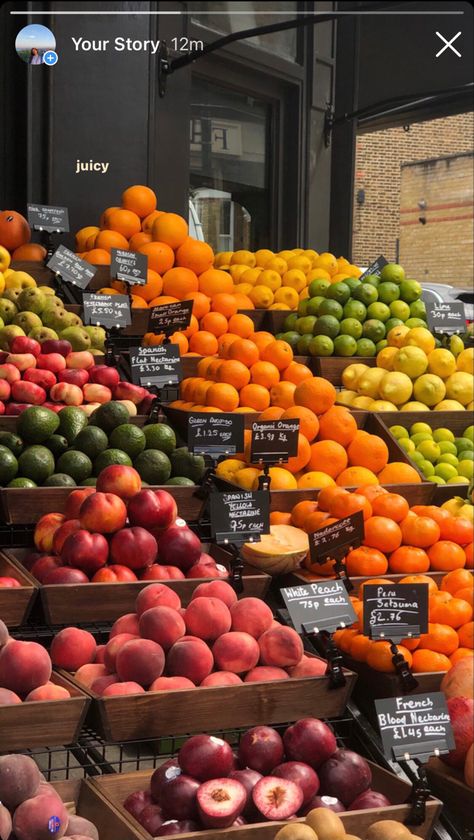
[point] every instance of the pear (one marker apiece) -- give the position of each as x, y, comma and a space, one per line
97, 337
78, 338
55, 319
47, 290
7, 334
20, 280
27, 321
42, 334
73, 320
53, 302
8, 310
31, 300
13, 294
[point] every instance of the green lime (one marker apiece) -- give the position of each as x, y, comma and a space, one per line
290, 321
321, 345
366, 347
185, 464
445, 471
76, 464
13, 442
379, 311
180, 481
458, 479
71, 421
318, 287
339, 291
417, 457
355, 309
426, 468
111, 457
327, 325
466, 468
60, 480
302, 308
279, 336
461, 443
306, 325
444, 436
351, 326
417, 428
303, 345
381, 345
406, 444
160, 436
352, 282
331, 307
392, 272
467, 433
90, 482
25, 483
419, 437
92, 441
467, 455
373, 279
313, 305
418, 309
410, 290
436, 479
391, 323
445, 446
414, 322
429, 449
388, 292
345, 345
57, 444
365, 293
398, 431
109, 415
399, 309
291, 338
448, 458
8, 465
129, 438
373, 329
36, 424
153, 466
36, 462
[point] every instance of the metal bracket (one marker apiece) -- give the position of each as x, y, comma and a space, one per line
163, 68
328, 124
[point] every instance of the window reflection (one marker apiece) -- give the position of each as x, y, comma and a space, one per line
222, 17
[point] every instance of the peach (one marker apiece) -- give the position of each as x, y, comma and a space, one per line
252, 616
123, 688
61, 535
221, 678
49, 691
8, 698
44, 565
28, 392
4, 634
114, 573
24, 666
5, 823
54, 362
31, 819
44, 378
23, 344
99, 685
171, 684
103, 513
156, 595
264, 673
81, 827
88, 673
22, 361
162, 625
73, 377
308, 666
65, 393
72, 648
19, 779
190, 657
133, 547
63, 574
75, 500
96, 393
85, 551
216, 589
207, 618
141, 661
81, 359
121, 480
112, 648
45, 530
281, 647
236, 652
5, 389
10, 373
99, 654
127, 623
127, 391
104, 375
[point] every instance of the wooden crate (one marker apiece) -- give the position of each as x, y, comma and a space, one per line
44, 723
303, 576
16, 603
373, 685
66, 603
157, 714
332, 367
415, 494
78, 799
448, 783
112, 790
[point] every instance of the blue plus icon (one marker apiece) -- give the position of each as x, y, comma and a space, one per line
50, 58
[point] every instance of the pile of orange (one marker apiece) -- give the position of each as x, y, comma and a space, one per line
450, 635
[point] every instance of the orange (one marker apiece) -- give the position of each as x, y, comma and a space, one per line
372, 580
467, 594
215, 323
241, 325
329, 457
466, 635
277, 517
214, 281
204, 343
213, 369
97, 256
225, 342
244, 350
419, 530
379, 657
138, 302
282, 394
359, 647
262, 338
328, 494
408, 558
255, 396
180, 282
265, 373
225, 304
399, 473
382, 533
338, 424
456, 580
147, 222
170, 228
352, 476
368, 451
371, 491
162, 299
457, 529
296, 372
446, 556
440, 638
242, 301
299, 461
345, 638
125, 222
301, 511
103, 221
421, 579
272, 413
392, 505
345, 504
426, 661
223, 396
198, 256
82, 236
180, 339
365, 561
198, 391
317, 394
454, 612
203, 366
309, 423
234, 373
201, 303
160, 256
140, 200
281, 479
460, 653
468, 549
433, 511
279, 353
151, 289
139, 239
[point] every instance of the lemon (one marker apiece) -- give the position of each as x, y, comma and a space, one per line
467, 511
368, 383
222, 258
458, 479
444, 435
396, 336
385, 357
243, 258
236, 272
414, 406
429, 449
460, 386
295, 278
398, 431
470, 406
352, 373
346, 397
383, 405
277, 264
465, 361
362, 402
396, 387
229, 468
448, 458
262, 297
263, 255
441, 362
250, 275
287, 295
279, 306
406, 444
429, 389
466, 468
426, 468
421, 436
270, 278
421, 428
410, 360
243, 288
301, 263
445, 471
420, 337
448, 405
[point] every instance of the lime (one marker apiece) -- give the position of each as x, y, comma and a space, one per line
461, 443
468, 433
418, 427
303, 345
355, 309
60, 480
36, 424
302, 307
25, 483
418, 309
185, 464
398, 431
446, 447
373, 329
458, 479
109, 415
92, 441
180, 481
365, 293
331, 307
417, 457
291, 338
352, 282
388, 292
110, 457
373, 279
153, 466
71, 421
90, 482
160, 436
318, 287
448, 458
445, 471
366, 347
313, 305
419, 437
445, 436
399, 309
429, 449
391, 323
76, 464
379, 311
306, 325
393, 272
351, 326
57, 444
321, 345
279, 336
345, 345
129, 438
436, 479
466, 468
415, 322
426, 468
406, 444
381, 345
339, 291
8, 465
410, 290
290, 321
327, 325
12, 442
36, 462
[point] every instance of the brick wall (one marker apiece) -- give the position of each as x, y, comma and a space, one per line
380, 156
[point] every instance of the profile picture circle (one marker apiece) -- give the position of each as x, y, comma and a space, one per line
33, 41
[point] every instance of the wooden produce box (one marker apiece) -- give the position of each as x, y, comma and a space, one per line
157, 714
79, 799
44, 723
374, 685
303, 576
112, 790
81, 603
448, 783
16, 603
332, 367
415, 494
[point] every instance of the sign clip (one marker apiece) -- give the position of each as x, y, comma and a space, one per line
420, 794
408, 681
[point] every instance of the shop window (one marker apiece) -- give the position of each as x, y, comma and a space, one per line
234, 17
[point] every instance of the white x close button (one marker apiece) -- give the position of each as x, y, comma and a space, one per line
448, 44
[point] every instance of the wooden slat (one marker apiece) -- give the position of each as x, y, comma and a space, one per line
448, 783
16, 603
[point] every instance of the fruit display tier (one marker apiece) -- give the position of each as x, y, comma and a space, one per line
16, 598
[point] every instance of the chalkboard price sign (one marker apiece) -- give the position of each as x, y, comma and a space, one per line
160, 365
337, 539
50, 219
319, 606
129, 266
170, 317
239, 517
71, 269
415, 726
395, 611
374, 268
107, 310
445, 317
215, 434
274, 441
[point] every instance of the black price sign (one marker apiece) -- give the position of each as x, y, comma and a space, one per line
160, 365
319, 606
129, 266
374, 268
239, 517
338, 539
50, 219
72, 269
415, 726
170, 317
215, 434
448, 316
274, 441
107, 310
395, 611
